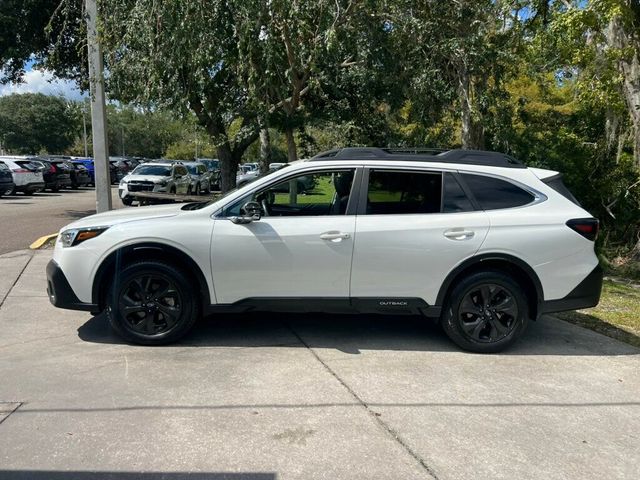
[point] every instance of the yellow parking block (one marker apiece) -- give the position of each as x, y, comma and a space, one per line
41, 241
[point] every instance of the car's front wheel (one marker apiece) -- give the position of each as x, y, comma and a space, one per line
153, 303
486, 312
128, 201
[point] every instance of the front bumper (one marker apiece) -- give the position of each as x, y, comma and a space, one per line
585, 295
61, 294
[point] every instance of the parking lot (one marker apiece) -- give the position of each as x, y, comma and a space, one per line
304, 396
25, 218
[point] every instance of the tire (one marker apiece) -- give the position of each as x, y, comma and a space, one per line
189, 190
198, 189
127, 201
474, 327
173, 190
161, 320
55, 188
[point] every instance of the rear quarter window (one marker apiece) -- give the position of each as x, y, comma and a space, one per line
492, 193
558, 185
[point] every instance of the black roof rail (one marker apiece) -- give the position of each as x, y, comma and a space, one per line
468, 157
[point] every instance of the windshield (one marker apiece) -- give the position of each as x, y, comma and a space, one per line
160, 170
193, 169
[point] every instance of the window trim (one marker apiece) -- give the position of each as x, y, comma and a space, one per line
364, 188
352, 205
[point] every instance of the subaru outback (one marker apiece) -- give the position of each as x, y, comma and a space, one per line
472, 239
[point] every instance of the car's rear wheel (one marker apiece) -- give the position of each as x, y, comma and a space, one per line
486, 312
153, 303
198, 189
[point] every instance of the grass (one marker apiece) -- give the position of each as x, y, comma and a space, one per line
617, 315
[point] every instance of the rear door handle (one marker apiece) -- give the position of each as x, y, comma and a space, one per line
459, 234
334, 236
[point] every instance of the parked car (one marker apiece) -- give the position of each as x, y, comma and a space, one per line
79, 176
245, 176
55, 178
213, 165
163, 177
200, 177
475, 240
90, 166
6, 180
121, 166
27, 177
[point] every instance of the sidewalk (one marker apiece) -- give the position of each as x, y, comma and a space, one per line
304, 397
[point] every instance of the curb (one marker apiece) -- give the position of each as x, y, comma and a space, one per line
42, 241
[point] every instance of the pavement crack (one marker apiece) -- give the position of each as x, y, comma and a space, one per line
390, 431
16, 280
6, 412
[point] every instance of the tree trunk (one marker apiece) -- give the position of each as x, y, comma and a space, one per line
265, 149
619, 38
472, 130
228, 167
292, 152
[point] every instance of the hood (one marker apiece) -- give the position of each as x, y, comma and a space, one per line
124, 215
145, 178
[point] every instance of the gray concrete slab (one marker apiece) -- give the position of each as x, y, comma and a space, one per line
308, 396
11, 266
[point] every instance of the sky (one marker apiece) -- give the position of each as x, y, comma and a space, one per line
36, 81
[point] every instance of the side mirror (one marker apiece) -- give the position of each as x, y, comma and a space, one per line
250, 212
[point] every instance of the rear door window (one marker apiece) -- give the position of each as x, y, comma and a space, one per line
492, 193
397, 192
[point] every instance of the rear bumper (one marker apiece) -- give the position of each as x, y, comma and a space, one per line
61, 294
585, 295
30, 187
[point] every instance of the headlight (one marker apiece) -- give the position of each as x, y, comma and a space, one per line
162, 183
75, 236
123, 183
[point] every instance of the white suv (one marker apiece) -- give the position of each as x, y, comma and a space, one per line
473, 239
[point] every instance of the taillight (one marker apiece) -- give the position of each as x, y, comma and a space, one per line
587, 227
21, 170
52, 169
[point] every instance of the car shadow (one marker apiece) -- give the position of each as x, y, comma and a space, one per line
358, 332
76, 214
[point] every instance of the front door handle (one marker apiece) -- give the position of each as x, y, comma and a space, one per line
459, 234
334, 236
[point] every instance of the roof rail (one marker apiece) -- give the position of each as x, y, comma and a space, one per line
468, 157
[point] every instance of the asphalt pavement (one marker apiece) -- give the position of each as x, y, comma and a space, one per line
24, 218
304, 397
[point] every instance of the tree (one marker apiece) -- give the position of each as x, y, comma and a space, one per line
32, 122
29, 29
182, 56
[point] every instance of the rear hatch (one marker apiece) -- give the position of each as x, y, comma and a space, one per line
29, 172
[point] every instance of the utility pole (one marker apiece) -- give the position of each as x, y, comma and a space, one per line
98, 111
122, 138
84, 126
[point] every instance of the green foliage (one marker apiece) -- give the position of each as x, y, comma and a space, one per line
33, 123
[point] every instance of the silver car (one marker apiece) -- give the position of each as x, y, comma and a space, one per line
200, 177
26, 176
162, 177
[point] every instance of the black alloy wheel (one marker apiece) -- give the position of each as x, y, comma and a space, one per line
488, 313
152, 303
485, 312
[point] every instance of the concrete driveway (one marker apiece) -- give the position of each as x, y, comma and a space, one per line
305, 396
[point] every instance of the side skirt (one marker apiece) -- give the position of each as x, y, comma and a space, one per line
391, 306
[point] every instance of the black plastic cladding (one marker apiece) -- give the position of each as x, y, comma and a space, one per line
466, 157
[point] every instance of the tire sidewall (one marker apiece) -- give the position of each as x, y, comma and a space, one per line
451, 322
